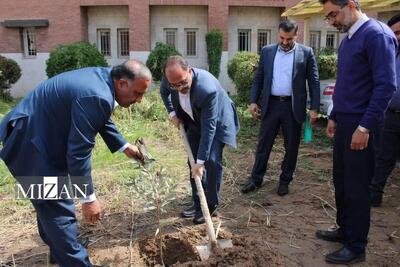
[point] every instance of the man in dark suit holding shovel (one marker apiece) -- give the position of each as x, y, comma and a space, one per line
195, 98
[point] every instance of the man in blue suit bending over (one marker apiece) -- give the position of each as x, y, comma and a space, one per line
195, 98
52, 131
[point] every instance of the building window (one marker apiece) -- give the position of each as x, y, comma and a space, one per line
331, 40
191, 42
263, 38
244, 39
315, 39
170, 37
104, 42
29, 37
123, 42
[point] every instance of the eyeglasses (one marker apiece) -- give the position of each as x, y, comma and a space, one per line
332, 15
182, 83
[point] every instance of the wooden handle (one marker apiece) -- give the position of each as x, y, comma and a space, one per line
200, 192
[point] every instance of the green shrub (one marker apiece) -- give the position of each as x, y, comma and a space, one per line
10, 72
241, 69
327, 65
157, 57
74, 56
214, 40
151, 107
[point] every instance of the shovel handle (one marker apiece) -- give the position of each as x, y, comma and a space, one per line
200, 192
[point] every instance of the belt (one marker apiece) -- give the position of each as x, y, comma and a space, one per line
280, 98
394, 110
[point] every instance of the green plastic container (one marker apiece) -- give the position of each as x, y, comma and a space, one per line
307, 130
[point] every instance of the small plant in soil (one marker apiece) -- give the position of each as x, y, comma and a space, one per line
155, 186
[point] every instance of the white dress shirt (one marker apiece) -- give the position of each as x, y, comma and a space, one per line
184, 101
357, 25
283, 72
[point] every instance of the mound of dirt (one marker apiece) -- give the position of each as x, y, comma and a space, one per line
175, 249
245, 252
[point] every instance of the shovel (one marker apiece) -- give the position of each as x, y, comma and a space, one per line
204, 249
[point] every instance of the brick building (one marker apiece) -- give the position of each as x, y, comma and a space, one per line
123, 29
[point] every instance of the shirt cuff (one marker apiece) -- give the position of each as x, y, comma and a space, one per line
362, 129
88, 199
199, 161
122, 149
172, 114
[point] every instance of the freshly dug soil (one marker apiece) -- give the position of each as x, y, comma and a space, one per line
246, 252
176, 248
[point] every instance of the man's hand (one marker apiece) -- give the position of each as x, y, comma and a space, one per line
331, 128
313, 114
91, 211
175, 121
132, 151
254, 110
198, 170
359, 140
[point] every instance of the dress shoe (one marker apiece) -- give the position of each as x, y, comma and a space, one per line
283, 189
376, 199
331, 236
189, 213
249, 187
344, 256
199, 218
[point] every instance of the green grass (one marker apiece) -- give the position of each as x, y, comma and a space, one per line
112, 171
6, 106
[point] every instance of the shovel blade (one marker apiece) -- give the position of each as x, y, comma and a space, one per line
205, 250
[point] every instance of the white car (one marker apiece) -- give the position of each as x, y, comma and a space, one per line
327, 88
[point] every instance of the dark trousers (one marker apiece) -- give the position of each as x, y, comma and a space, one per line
57, 227
388, 152
279, 114
212, 176
352, 173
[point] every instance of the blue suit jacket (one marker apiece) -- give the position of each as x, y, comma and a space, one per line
304, 68
61, 119
213, 110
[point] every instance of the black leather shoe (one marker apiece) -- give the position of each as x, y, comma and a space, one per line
199, 218
344, 256
188, 213
249, 187
283, 189
376, 199
331, 236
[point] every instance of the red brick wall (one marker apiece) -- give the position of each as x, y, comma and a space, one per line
64, 17
139, 25
68, 19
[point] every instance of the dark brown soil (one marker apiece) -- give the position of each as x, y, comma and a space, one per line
246, 252
175, 248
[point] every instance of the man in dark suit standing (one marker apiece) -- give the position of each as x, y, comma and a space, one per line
51, 133
280, 88
195, 98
